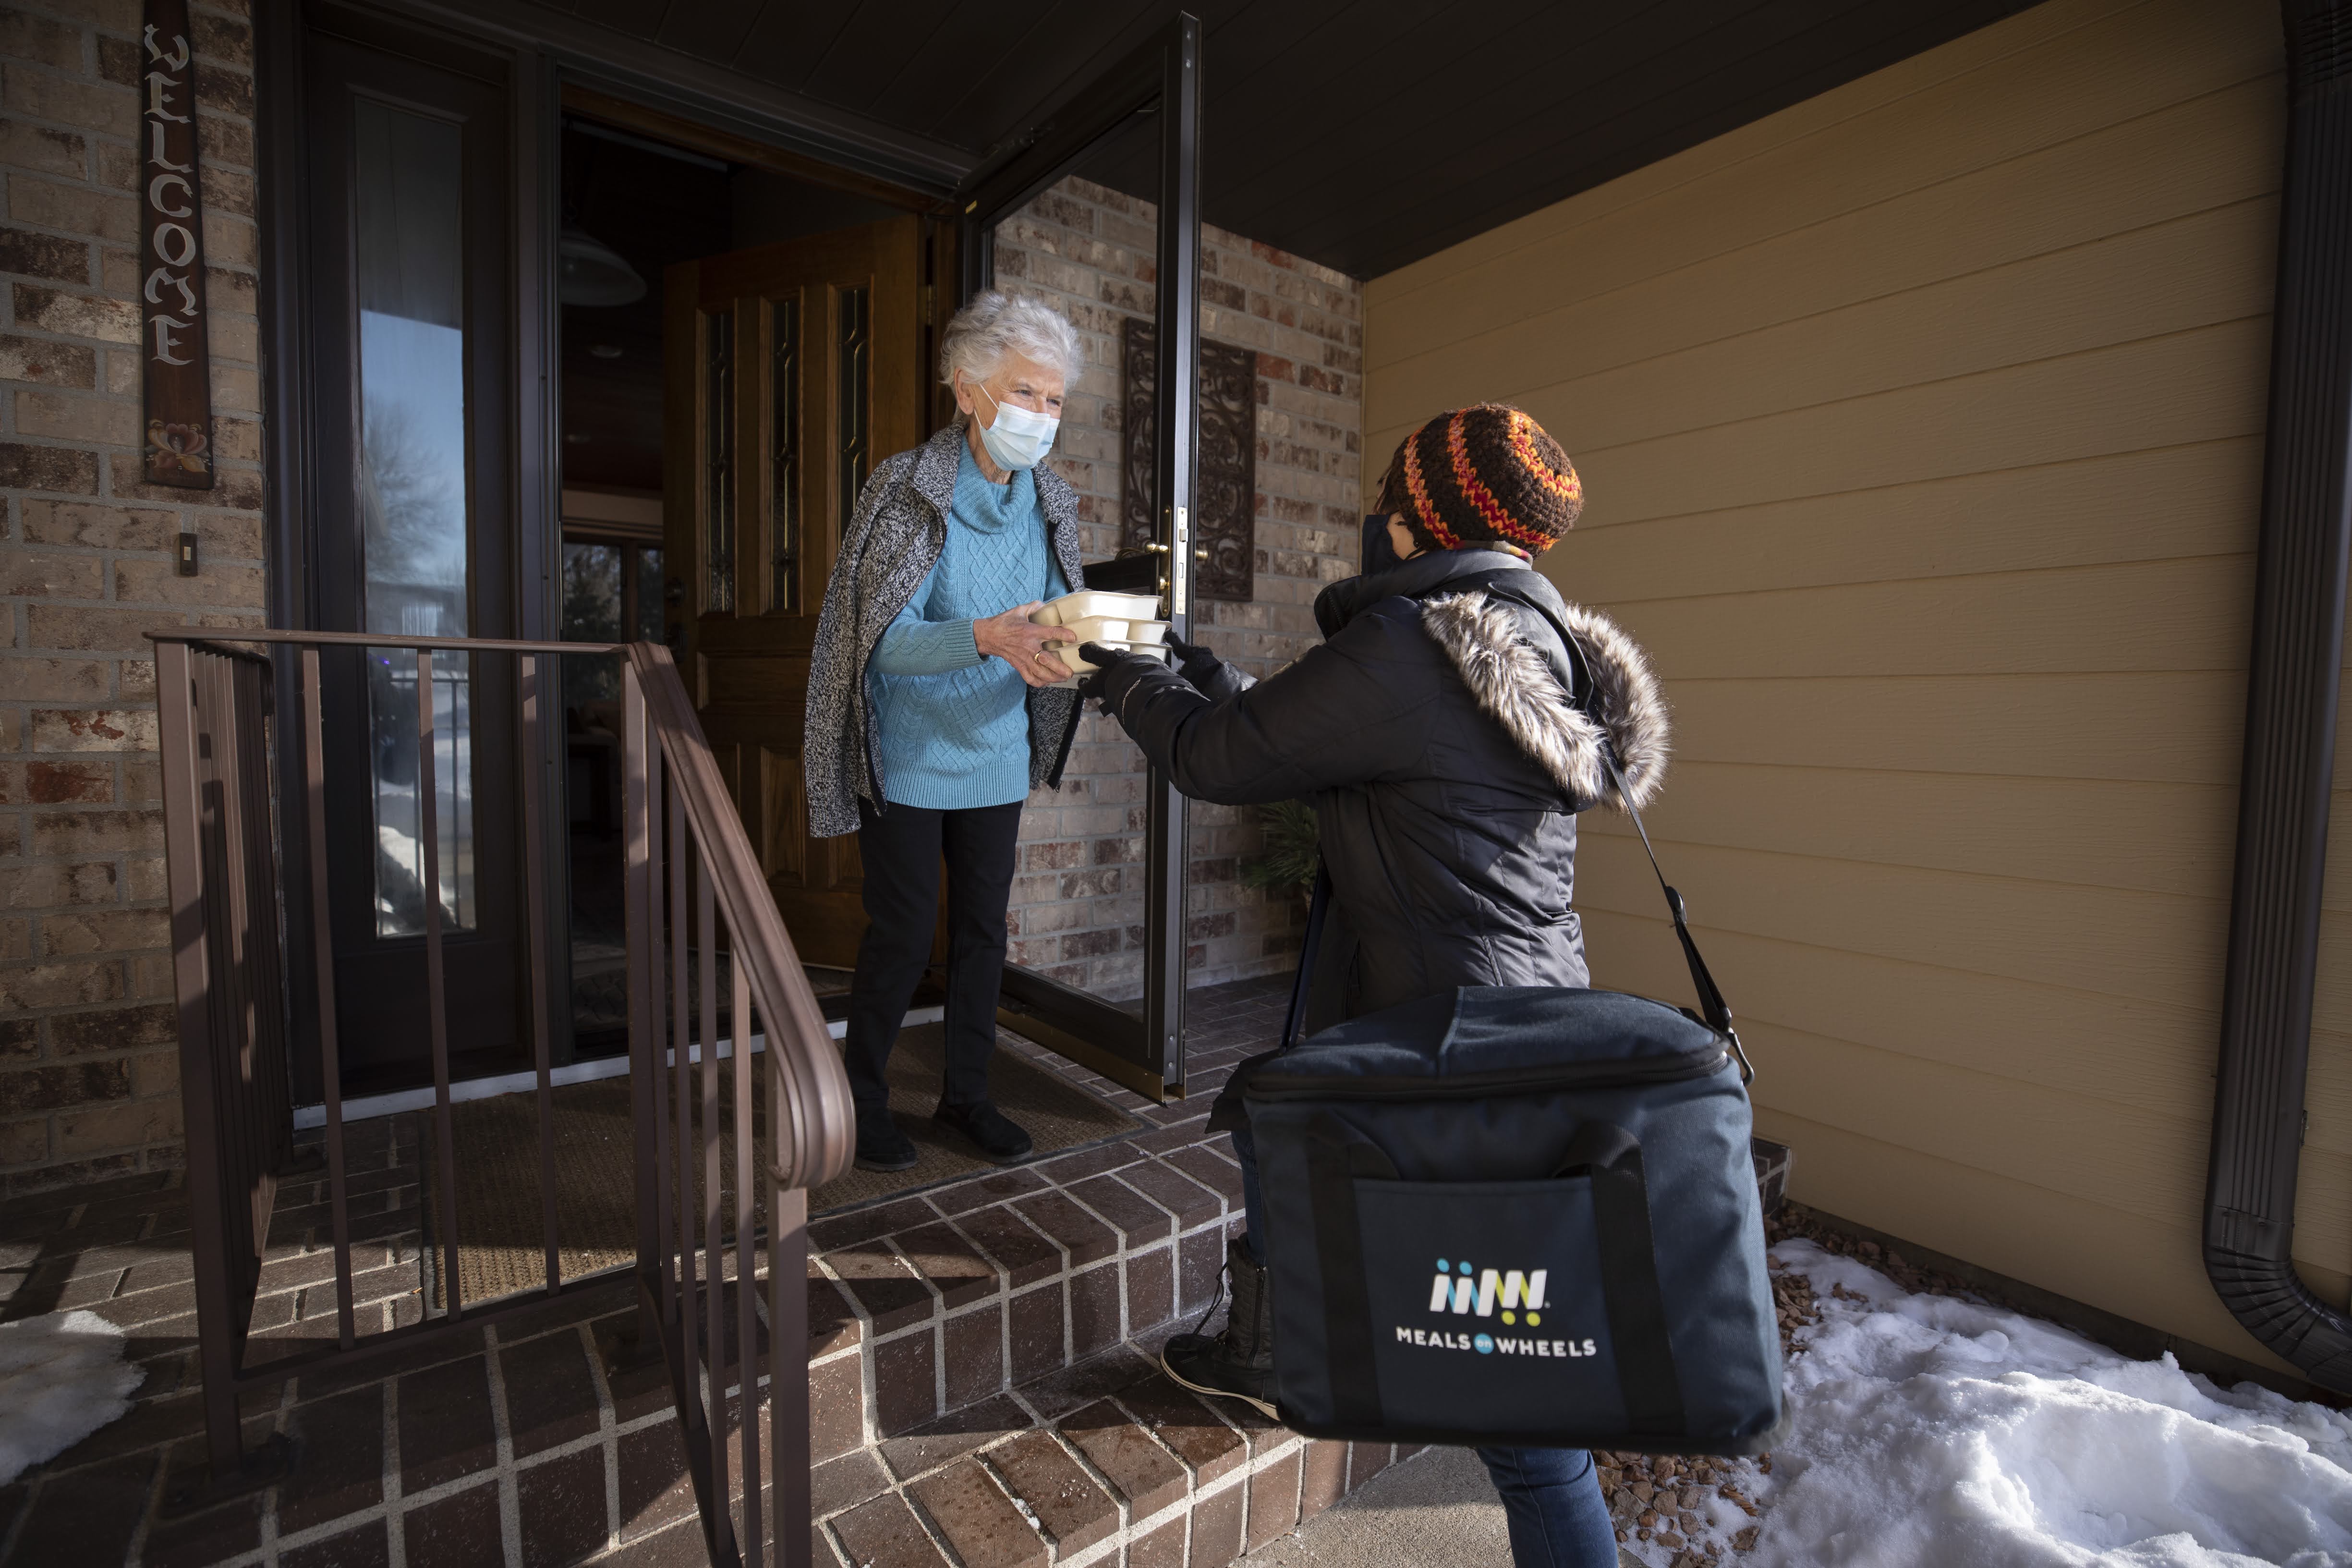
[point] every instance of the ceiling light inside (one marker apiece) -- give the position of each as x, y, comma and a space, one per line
590, 272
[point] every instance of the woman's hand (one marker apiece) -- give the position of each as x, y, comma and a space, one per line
1023, 644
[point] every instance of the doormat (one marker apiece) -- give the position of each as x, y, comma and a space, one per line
501, 1247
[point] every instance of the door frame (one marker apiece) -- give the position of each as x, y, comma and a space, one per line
553, 64
293, 403
1146, 1052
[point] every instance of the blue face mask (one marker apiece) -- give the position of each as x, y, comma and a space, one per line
1019, 438
1380, 550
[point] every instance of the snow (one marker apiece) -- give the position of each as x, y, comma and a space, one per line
1930, 1430
62, 1377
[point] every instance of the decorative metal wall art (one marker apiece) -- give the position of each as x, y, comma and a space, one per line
1225, 526
178, 372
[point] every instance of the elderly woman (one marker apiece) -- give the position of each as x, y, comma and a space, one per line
933, 705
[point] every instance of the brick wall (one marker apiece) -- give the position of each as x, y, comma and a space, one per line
1078, 901
89, 1078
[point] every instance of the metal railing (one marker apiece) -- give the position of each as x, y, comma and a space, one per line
695, 890
686, 852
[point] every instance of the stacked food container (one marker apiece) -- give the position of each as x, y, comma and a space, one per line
1122, 621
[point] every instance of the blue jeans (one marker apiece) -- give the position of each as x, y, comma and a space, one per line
1551, 1497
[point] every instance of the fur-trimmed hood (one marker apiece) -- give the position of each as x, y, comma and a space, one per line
1486, 638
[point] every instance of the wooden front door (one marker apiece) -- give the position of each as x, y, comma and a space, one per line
791, 370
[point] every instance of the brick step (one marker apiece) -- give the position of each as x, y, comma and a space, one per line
1105, 1461
937, 1302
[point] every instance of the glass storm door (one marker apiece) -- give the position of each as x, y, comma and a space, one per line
1134, 131
408, 190
791, 370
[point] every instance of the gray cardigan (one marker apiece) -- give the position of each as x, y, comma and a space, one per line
893, 540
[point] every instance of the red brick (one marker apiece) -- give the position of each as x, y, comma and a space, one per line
107, 421
55, 783
67, 468
948, 1264
978, 1520
97, 832
104, 931
121, 1124
1163, 1547
1274, 1501
1086, 1239
457, 1531
27, 1089
561, 1507
1208, 1447
44, 255
1217, 1529
836, 1408
61, 984
973, 1349
94, 524
1150, 1288
117, 1029
1323, 1477
76, 210
93, 729
1095, 1301
906, 1392
49, 885
51, 363
1074, 1509
1036, 1331
76, 315
1140, 1468
1024, 1255
884, 1533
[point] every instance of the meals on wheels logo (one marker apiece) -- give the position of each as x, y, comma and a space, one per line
1464, 1288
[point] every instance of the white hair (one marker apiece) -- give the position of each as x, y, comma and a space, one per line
994, 323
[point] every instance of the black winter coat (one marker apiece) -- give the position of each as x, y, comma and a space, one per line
1446, 740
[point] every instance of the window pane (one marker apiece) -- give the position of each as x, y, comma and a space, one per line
719, 463
413, 493
649, 594
856, 375
591, 613
784, 455
591, 593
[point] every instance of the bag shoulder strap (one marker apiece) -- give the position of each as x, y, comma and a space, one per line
1711, 997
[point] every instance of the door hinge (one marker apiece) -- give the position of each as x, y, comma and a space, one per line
930, 305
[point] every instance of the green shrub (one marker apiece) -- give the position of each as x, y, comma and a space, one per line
1290, 851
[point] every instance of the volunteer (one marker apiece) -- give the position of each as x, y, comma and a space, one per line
1446, 764
932, 707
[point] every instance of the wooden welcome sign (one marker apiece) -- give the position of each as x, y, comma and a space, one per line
178, 378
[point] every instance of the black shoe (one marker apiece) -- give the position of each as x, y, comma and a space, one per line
1239, 1362
996, 1134
880, 1145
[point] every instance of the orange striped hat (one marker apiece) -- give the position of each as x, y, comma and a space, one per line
1484, 473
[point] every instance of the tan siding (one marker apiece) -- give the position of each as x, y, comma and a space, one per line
1921, 432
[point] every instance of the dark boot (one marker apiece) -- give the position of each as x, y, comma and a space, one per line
1239, 1362
996, 1135
880, 1145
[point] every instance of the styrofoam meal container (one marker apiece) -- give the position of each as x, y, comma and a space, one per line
1079, 665
1097, 628
1092, 601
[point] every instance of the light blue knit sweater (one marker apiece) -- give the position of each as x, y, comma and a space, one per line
955, 727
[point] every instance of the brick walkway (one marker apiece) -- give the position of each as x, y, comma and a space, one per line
984, 1385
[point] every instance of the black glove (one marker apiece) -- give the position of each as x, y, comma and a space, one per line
1098, 686
1203, 670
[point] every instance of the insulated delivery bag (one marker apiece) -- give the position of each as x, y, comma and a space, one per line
1522, 1217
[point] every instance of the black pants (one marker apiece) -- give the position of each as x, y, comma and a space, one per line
901, 849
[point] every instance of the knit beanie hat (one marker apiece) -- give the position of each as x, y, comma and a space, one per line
1480, 474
